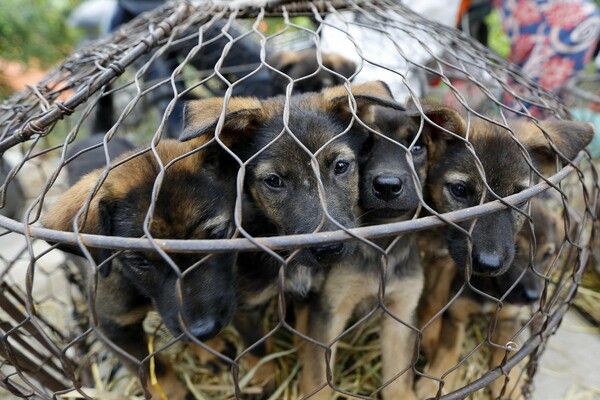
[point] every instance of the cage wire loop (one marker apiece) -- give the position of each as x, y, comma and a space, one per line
166, 227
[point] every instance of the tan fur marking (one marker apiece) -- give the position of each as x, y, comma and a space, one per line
397, 341
450, 345
438, 276
345, 290
372, 89
508, 325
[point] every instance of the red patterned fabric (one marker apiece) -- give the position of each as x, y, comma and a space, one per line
552, 40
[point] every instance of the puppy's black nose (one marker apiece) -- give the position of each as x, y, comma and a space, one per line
524, 295
327, 253
205, 329
387, 187
487, 263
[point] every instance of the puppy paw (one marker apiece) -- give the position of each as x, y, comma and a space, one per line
205, 356
406, 394
264, 375
167, 386
427, 388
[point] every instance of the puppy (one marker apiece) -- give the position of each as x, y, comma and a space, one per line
193, 293
388, 193
455, 182
282, 192
521, 285
303, 66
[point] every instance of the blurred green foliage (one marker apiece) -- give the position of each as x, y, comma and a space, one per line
36, 31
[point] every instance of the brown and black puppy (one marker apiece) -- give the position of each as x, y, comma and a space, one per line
294, 169
303, 66
456, 182
520, 286
282, 193
194, 294
389, 192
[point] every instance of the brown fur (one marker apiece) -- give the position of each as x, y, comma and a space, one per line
317, 121
455, 182
351, 285
444, 337
303, 67
132, 283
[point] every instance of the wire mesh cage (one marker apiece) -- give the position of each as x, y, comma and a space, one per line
268, 200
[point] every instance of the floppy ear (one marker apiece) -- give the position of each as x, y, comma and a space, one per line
434, 133
442, 116
340, 64
98, 220
284, 61
243, 114
568, 137
367, 95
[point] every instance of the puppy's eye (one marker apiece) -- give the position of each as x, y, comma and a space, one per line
274, 181
341, 167
418, 147
521, 205
458, 190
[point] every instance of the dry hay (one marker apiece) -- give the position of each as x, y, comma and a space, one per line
357, 370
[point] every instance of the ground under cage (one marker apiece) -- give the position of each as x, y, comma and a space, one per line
287, 200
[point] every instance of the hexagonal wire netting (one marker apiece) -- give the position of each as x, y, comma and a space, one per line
100, 296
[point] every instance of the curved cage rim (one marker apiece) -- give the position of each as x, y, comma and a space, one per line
289, 241
526, 349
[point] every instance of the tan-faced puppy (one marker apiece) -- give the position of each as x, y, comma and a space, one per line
455, 182
521, 285
304, 66
388, 193
191, 293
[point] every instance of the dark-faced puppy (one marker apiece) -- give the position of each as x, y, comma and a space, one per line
191, 292
520, 286
299, 168
295, 171
455, 182
303, 66
393, 170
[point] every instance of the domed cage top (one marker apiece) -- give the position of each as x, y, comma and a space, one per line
230, 199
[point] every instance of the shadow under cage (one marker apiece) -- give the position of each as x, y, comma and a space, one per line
271, 200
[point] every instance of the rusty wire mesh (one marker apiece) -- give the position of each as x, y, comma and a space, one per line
53, 342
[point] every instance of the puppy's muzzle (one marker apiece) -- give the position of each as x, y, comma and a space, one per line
525, 295
387, 187
205, 329
328, 253
487, 263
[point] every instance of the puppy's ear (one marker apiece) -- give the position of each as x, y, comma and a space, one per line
336, 100
98, 220
568, 137
284, 61
439, 120
243, 115
340, 64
